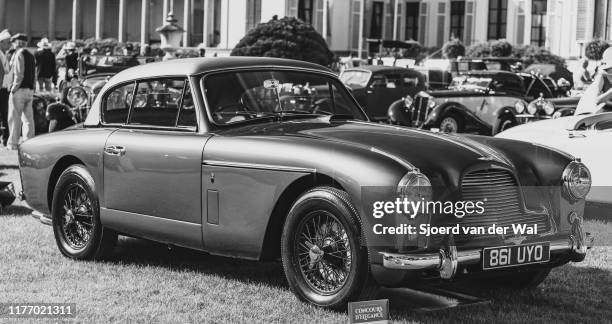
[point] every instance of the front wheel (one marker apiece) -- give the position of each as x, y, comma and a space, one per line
504, 122
451, 123
323, 258
76, 217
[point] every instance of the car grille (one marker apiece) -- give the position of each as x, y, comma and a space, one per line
419, 111
502, 196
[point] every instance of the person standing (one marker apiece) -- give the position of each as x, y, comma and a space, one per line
5, 82
45, 65
23, 67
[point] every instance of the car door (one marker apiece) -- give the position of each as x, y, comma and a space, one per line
152, 165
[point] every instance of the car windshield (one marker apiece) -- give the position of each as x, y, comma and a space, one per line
470, 82
354, 78
241, 96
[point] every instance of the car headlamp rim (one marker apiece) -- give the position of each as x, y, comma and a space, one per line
549, 107
414, 180
576, 180
532, 107
408, 101
520, 106
76, 96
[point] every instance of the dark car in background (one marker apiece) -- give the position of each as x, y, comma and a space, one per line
376, 86
486, 102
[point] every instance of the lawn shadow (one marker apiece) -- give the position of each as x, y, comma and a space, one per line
15, 210
9, 166
569, 294
144, 252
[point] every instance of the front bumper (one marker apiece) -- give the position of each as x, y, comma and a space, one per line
448, 259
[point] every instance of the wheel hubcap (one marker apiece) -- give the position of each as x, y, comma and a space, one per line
449, 125
323, 252
77, 221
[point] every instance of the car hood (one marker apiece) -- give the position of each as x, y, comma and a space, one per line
427, 151
536, 131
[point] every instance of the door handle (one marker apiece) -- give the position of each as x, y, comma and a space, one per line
114, 150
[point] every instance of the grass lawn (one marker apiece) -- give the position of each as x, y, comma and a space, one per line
147, 283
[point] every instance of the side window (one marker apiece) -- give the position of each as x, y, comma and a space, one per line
157, 102
187, 113
116, 105
507, 83
378, 81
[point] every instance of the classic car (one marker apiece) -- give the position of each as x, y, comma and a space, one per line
376, 86
486, 102
547, 108
584, 136
263, 158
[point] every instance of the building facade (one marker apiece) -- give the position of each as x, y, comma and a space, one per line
563, 26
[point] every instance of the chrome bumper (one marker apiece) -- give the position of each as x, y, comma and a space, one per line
447, 259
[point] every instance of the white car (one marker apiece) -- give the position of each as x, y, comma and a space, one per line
588, 137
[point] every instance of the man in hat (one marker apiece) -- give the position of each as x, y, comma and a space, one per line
72, 60
45, 65
5, 82
23, 66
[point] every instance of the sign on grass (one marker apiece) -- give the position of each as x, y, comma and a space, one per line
371, 311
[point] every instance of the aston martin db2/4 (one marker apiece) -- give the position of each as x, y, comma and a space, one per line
262, 158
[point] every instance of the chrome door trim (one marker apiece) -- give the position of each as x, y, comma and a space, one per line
258, 166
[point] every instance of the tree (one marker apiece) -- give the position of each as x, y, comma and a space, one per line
453, 49
287, 37
482, 49
495, 48
531, 54
595, 48
501, 48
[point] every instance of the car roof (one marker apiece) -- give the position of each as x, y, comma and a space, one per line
192, 66
489, 73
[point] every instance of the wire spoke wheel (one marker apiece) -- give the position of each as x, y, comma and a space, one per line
322, 251
76, 220
449, 125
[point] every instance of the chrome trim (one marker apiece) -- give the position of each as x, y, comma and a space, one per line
43, 218
436, 260
257, 166
395, 158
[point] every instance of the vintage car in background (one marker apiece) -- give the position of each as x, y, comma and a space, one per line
376, 86
585, 136
486, 102
547, 108
263, 158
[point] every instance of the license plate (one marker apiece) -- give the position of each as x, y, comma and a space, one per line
515, 255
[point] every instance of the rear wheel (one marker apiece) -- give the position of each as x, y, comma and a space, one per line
451, 123
323, 258
76, 217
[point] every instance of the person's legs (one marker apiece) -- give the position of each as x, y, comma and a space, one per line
48, 84
4, 103
14, 119
41, 83
27, 116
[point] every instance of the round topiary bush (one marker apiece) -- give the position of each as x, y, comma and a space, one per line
453, 49
478, 50
595, 49
501, 48
531, 54
287, 37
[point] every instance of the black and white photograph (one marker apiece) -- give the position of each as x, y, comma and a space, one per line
305, 161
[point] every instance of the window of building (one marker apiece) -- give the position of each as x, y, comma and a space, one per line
457, 19
305, 10
498, 14
377, 19
253, 13
423, 22
520, 23
538, 23
412, 21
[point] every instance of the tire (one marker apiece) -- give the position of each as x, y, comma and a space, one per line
323, 225
451, 123
75, 216
504, 122
517, 281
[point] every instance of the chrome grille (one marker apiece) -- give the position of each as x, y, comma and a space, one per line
419, 110
502, 196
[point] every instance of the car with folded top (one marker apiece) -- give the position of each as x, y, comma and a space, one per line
268, 159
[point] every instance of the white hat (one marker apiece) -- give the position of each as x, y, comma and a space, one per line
606, 58
5, 35
44, 43
70, 45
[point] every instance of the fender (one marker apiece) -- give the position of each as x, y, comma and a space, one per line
436, 115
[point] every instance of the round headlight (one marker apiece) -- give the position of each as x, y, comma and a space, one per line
408, 101
431, 104
76, 96
548, 107
532, 107
576, 180
520, 107
414, 186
